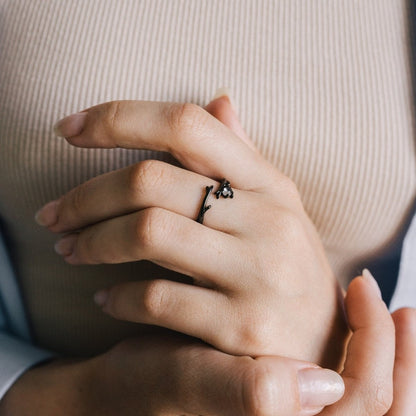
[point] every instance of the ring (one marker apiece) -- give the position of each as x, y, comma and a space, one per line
224, 190
204, 207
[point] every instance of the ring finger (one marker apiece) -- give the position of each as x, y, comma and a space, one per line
147, 184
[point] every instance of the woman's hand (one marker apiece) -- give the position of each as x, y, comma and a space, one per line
372, 386
180, 376
367, 372
404, 385
195, 379
263, 283
170, 375
368, 368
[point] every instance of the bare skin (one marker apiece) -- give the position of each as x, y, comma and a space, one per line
253, 262
174, 375
110, 384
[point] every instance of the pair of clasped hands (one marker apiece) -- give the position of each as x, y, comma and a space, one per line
263, 305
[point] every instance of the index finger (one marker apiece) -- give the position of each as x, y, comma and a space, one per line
368, 372
195, 138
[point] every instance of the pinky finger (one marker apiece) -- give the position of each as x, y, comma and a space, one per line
191, 310
404, 385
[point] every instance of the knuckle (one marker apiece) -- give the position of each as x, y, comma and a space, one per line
255, 337
258, 391
111, 115
70, 208
155, 298
289, 186
289, 224
145, 176
77, 199
85, 247
251, 335
184, 118
286, 186
150, 229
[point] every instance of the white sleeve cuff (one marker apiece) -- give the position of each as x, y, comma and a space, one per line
16, 357
405, 293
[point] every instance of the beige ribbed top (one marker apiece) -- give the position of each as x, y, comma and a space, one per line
323, 87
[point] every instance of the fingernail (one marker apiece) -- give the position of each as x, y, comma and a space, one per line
373, 282
71, 125
100, 298
319, 387
65, 246
47, 215
224, 92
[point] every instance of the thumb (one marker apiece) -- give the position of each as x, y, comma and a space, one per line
224, 385
368, 369
222, 109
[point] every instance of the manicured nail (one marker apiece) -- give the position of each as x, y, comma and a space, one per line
319, 387
65, 246
48, 214
224, 92
373, 282
100, 298
71, 125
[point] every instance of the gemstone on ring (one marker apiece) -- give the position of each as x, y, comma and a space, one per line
225, 190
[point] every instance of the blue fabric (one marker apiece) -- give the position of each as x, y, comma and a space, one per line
17, 354
3, 322
386, 267
11, 306
405, 293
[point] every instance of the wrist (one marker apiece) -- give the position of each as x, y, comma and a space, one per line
61, 387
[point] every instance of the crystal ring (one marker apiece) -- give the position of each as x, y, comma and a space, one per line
224, 190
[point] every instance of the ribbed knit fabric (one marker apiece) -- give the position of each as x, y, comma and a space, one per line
323, 87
